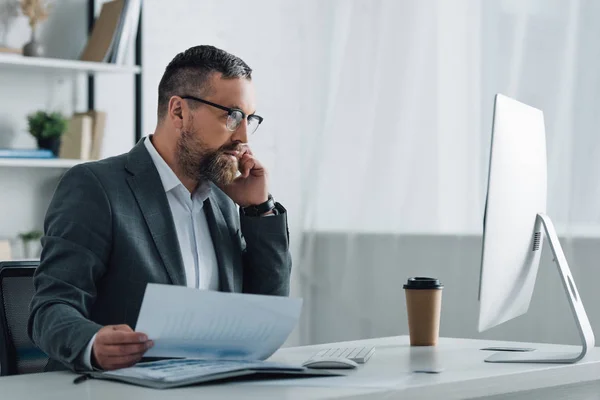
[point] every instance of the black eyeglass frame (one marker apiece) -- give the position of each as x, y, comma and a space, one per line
228, 109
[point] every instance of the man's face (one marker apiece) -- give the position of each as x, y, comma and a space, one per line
205, 142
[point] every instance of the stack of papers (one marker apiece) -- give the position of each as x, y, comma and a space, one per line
212, 335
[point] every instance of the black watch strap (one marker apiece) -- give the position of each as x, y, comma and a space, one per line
260, 209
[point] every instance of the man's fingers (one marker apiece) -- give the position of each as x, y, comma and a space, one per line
247, 163
123, 327
118, 346
244, 149
121, 337
121, 350
253, 166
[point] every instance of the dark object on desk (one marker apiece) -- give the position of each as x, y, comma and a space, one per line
330, 363
17, 354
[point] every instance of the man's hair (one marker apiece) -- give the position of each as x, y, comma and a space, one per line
190, 71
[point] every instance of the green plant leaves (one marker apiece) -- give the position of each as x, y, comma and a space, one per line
46, 125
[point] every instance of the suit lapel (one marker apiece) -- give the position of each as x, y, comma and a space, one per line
222, 243
147, 188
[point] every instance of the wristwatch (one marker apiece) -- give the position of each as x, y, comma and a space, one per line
260, 209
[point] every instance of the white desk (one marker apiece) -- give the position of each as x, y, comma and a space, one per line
387, 375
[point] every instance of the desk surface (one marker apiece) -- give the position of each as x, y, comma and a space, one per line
388, 374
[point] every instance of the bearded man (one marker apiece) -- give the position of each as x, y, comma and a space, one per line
189, 205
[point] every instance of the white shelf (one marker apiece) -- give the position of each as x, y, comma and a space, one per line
18, 61
58, 163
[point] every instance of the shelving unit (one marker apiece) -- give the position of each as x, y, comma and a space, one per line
27, 184
62, 66
40, 65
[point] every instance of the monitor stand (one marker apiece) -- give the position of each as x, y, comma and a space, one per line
583, 324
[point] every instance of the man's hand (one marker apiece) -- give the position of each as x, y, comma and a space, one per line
250, 188
118, 346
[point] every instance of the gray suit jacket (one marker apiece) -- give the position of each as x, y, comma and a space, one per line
109, 231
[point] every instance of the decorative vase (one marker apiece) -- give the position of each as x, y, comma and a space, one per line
52, 144
33, 48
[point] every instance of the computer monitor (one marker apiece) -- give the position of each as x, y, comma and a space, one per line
514, 224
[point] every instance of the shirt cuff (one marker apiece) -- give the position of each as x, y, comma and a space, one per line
87, 355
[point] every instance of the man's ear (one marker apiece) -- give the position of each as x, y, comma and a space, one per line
176, 109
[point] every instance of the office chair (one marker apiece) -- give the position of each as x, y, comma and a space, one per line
18, 355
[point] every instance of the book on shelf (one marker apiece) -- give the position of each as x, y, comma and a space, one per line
113, 32
98, 126
128, 31
84, 136
26, 153
104, 33
76, 142
10, 50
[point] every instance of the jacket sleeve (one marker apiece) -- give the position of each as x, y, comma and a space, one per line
266, 254
75, 253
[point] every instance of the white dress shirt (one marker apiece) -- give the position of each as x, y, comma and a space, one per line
195, 242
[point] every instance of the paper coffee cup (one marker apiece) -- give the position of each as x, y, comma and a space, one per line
423, 305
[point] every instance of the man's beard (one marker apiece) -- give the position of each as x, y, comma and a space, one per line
200, 163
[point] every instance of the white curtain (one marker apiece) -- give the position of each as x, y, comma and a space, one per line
396, 179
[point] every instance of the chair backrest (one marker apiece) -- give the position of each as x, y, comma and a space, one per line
18, 355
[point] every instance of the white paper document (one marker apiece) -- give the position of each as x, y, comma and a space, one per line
191, 323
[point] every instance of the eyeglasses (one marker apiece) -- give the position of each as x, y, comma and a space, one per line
235, 116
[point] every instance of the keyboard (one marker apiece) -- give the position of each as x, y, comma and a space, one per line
360, 355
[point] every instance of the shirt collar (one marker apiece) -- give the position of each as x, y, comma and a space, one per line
168, 177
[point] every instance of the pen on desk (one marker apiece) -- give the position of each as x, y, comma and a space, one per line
82, 378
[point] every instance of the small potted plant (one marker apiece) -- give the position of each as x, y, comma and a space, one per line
27, 238
47, 128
